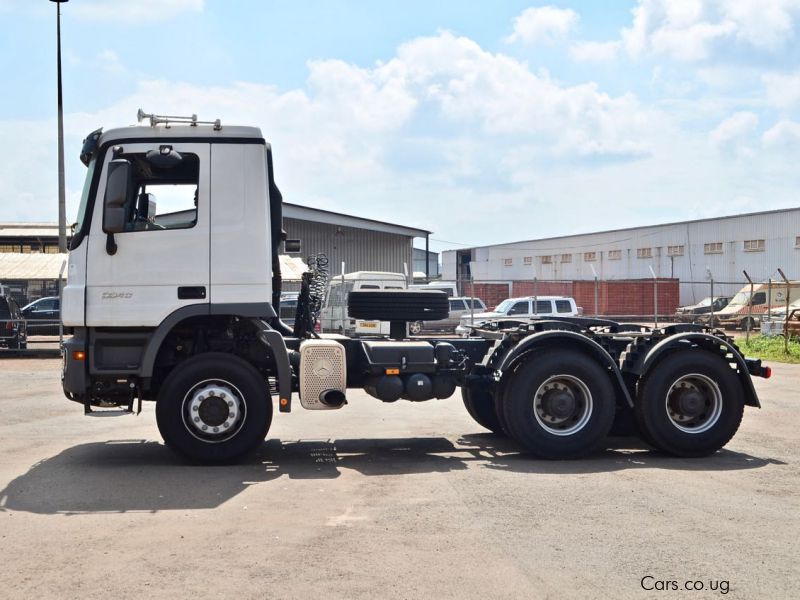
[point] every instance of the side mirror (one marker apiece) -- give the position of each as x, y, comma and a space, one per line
118, 185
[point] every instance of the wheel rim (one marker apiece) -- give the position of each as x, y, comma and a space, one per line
563, 405
213, 410
694, 403
415, 328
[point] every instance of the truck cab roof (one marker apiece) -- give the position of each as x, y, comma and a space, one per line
174, 131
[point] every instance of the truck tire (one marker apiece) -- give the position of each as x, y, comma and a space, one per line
480, 406
559, 405
214, 408
690, 404
398, 305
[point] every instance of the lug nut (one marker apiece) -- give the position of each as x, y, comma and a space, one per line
216, 429
230, 402
205, 427
197, 419
201, 398
222, 394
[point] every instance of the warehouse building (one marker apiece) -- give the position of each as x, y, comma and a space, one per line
688, 251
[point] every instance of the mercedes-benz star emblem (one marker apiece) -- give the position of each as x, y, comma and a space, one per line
322, 367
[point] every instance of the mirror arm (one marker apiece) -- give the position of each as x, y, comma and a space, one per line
111, 244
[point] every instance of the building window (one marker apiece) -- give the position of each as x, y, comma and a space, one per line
754, 245
547, 260
507, 262
567, 258
589, 256
675, 250
712, 248
528, 260
614, 254
644, 253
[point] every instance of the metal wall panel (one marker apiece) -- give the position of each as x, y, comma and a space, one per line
779, 229
360, 249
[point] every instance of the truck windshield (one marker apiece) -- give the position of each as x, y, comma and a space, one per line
84, 197
740, 299
504, 306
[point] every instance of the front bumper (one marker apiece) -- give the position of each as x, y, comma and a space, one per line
74, 376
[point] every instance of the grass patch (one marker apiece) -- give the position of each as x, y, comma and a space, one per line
770, 348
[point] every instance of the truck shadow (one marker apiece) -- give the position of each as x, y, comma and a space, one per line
144, 476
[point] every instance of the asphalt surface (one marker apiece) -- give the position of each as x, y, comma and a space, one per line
392, 501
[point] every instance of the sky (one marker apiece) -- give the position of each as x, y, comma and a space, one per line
484, 122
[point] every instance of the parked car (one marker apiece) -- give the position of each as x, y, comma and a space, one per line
523, 308
459, 307
288, 307
13, 333
43, 316
448, 287
701, 312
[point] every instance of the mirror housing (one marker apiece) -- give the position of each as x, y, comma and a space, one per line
118, 187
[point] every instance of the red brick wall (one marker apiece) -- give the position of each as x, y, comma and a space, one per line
623, 297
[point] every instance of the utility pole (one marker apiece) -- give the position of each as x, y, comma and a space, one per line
62, 203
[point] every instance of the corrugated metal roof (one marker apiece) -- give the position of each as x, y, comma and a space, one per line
14, 265
292, 267
28, 230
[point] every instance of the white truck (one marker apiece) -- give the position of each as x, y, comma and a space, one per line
179, 309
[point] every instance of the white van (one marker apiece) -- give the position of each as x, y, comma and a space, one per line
334, 317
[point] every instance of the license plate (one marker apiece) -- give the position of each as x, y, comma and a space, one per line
368, 325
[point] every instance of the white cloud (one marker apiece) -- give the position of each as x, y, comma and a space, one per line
783, 90
594, 51
134, 10
542, 24
444, 135
784, 134
691, 30
732, 135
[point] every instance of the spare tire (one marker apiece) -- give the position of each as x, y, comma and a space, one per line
398, 305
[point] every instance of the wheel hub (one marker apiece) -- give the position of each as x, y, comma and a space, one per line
559, 402
694, 403
563, 405
213, 411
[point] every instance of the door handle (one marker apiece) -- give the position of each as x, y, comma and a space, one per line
196, 292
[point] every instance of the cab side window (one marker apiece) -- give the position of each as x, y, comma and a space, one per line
520, 308
162, 197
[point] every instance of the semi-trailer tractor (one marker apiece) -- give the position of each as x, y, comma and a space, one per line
173, 288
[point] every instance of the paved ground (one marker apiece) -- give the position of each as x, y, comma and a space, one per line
393, 501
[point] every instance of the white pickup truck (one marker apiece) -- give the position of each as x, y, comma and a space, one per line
532, 307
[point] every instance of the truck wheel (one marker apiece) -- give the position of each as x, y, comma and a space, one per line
214, 408
480, 406
559, 405
748, 323
690, 404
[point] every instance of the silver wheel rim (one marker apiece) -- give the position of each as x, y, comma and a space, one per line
415, 327
694, 403
563, 405
213, 410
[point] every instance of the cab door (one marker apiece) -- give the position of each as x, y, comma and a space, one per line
160, 263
